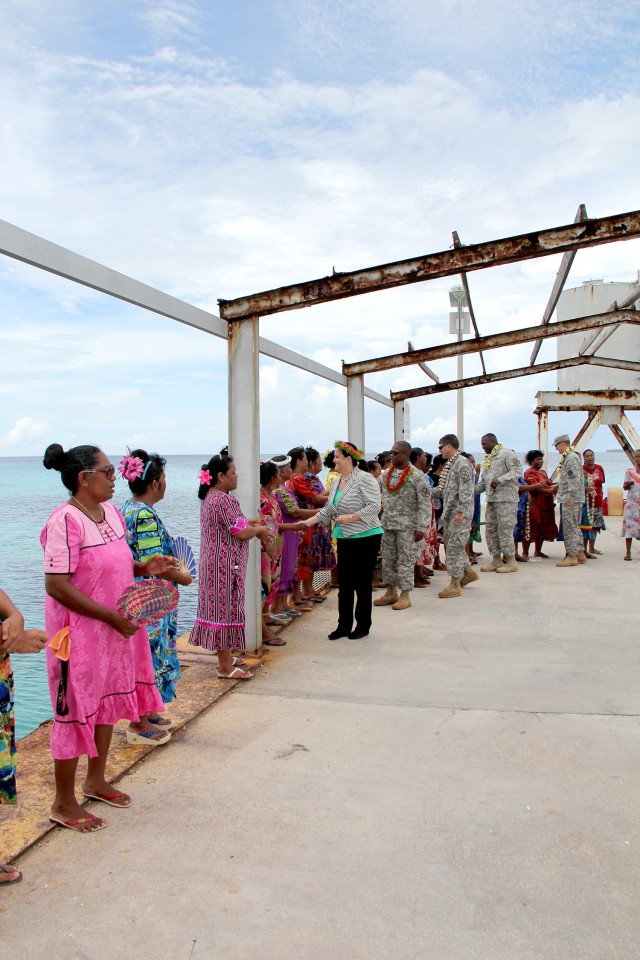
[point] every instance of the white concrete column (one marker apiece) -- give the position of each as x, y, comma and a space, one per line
399, 420
244, 447
543, 434
355, 411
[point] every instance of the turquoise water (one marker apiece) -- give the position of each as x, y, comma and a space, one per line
28, 494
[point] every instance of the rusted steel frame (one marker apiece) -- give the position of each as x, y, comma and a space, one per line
478, 256
493, 342
596, 340
617, 364
465, 284
485, 378
621, 437
558, 286
425, 369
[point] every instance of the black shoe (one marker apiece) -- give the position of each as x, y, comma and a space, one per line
358, 634
338, 634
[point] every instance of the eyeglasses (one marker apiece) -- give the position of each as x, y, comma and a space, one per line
109, 471
441, 446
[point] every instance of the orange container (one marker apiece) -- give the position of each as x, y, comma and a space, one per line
615, 500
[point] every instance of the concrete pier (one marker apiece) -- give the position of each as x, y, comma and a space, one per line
462, 784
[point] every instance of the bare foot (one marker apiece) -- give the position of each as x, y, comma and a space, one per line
8, 874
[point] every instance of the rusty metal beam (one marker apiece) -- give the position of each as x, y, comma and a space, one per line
617, 364
526, 246
425, 369
492, 342
485, 378
465, 285
558, 286
596, 340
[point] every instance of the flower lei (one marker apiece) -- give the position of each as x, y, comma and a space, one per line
403, 476
445, 471
486, 463
589, 499
527, 522
348, 449
563, 457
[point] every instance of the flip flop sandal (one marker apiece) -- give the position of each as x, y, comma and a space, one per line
145, 738
74, 824
164, 723
275, 642
236, 674
7, 883
109, 798
626, 558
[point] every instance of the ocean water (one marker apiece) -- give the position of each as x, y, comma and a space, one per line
28, 494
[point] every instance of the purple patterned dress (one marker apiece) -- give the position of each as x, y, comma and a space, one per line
219, 624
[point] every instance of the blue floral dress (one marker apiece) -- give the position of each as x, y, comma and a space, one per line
146, 535
7, 733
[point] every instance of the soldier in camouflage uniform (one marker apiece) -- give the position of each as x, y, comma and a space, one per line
457, 492
500, 481
571, 496
406, 514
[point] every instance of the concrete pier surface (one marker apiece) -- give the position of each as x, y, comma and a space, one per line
462, 784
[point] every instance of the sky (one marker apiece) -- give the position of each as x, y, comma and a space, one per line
214, 150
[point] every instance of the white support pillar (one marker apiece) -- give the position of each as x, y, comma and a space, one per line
630, 431
399, 420
244, 447
355, 410
543, 434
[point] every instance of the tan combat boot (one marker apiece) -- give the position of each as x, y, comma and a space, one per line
568, 562
403, 601
389, 597
582, 557
509, 567
453, 590
469, 576
496, 562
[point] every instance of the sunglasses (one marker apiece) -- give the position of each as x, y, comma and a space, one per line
109, 471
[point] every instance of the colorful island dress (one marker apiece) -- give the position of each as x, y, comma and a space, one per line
219, 624
146, 536
107, 677
631, 513
7, 733
314, 551
271, 514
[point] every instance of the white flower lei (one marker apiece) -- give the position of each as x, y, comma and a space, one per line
445, 471
486, 463
563, 457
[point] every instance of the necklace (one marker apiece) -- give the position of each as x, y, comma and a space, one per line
403, 476
87, 513
563, 458
486, 463
445, 471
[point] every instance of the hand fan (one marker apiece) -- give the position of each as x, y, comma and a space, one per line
146, 601
184, 554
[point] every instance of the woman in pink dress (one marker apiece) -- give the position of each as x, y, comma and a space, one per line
109, 674
224, 551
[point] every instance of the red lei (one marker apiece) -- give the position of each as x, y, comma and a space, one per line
403, 476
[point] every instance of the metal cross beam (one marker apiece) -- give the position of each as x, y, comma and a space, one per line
596, 340
465, 285
526, 246
492, 342
561, 277
400, 395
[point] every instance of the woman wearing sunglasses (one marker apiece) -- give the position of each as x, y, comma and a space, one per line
109, 673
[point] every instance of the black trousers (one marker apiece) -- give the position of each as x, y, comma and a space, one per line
356, 562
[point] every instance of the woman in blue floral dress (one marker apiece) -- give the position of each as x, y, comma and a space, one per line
13, 639
146, 536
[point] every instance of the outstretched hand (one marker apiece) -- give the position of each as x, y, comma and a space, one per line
159, 565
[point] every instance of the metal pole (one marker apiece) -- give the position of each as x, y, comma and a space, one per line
460, 392
398, 421
244, 447
355, 410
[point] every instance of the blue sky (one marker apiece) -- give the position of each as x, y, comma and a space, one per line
215, 149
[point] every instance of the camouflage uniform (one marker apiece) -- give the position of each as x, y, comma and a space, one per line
403, 512
501, 503
457, 496
571, 487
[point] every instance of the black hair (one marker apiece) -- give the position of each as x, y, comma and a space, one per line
452, 439
372, 464
346, 453
153, 469
588, 450
362, 465
384, 457
330, 460
219, 463
268, 471
531, 455
415, 453
437, 461
296, 453
487, 435
429, 457
404, 445
72, 463
312, 454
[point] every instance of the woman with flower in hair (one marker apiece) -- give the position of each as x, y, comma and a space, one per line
147, 536
354, 508
224, 551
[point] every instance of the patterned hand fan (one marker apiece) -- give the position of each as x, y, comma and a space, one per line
184, 554
146, 601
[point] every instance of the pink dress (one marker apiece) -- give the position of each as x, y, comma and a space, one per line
109, 678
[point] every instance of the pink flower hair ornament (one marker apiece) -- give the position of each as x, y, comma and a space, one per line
205, 478
131, 467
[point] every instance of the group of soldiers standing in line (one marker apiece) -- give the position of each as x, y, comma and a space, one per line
407, 512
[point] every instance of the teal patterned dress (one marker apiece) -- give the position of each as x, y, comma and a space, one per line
146, 535
7, 733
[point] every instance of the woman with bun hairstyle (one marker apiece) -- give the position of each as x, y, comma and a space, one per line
224, 551
147, 536
109, 674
